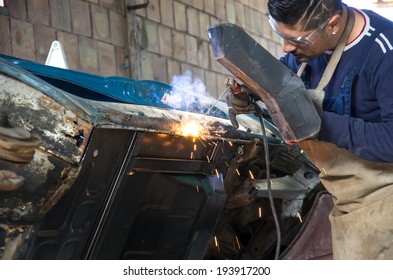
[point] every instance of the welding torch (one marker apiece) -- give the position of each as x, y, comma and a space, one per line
240, 101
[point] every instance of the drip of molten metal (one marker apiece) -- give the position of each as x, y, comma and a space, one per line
238, 242
299, 217
217, 244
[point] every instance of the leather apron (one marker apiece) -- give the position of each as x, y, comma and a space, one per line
362, 216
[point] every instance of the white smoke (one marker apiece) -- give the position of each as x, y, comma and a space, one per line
189, 83
188, 93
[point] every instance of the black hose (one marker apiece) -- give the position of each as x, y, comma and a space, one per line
269, 184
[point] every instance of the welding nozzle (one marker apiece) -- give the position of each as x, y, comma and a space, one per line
233, 85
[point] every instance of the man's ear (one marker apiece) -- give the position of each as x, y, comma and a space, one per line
335, 23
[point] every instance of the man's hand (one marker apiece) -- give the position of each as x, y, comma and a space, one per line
239, 100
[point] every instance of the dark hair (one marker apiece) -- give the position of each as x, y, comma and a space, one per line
309, 13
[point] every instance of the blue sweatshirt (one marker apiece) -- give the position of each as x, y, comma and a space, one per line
358, 104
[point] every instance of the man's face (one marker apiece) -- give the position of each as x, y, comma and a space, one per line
304, 45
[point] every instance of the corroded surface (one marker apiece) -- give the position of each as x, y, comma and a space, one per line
57, 126
55, 163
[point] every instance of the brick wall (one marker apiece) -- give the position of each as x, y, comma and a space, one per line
93, 33
169, 37
166, 38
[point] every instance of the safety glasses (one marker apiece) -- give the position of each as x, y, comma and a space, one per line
301, 41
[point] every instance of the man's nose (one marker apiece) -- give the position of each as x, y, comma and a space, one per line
288, 47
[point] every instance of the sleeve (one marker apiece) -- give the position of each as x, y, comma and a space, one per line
290, 62
372, 139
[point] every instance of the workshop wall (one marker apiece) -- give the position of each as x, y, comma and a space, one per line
128, 38
93, 33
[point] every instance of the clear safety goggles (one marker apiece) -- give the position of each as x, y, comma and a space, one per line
301, 41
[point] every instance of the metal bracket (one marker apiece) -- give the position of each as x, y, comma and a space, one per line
56, 56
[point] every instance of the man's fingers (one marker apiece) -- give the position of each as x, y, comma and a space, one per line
249, 109
232, 117
237, 102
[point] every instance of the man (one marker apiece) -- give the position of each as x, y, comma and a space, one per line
354, 149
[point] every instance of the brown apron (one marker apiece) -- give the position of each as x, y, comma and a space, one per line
362, 216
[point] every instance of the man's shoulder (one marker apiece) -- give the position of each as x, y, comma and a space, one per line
377, 36
377, 22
